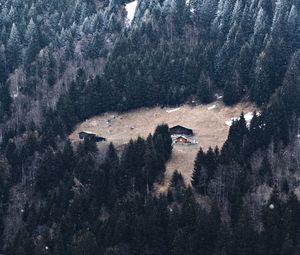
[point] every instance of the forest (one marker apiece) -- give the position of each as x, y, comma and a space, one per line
63, 61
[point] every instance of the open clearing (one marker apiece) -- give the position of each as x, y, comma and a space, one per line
207, 121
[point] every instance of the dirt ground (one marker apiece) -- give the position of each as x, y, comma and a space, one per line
207, 121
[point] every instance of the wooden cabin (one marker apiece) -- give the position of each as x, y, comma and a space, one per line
181, 139
180, 130
83, 135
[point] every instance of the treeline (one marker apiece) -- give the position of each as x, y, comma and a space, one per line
77, 183
241, 47
167, 60
86, 205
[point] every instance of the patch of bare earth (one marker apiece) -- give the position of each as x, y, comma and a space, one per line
207, 122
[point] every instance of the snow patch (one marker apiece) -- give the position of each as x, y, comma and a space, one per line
174, 110
248, 117
131, 8
229, 122
211, 107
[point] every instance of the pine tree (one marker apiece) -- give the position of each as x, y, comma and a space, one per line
3, 65
154, 167
265, 172
5, 101
291, 85
48, 174
199, 175
163, 141
233, 90
31, 31
14, 48
273, 233
261, 91
205, 89
245, 238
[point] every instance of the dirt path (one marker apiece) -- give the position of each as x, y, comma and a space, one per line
207, 121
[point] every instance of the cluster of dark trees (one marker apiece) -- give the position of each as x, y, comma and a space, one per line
85, 205
171, 51
178, 54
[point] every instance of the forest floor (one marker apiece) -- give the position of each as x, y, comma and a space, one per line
209, 124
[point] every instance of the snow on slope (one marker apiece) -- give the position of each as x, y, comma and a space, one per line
130, 8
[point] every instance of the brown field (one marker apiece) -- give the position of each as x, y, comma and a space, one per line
208, 125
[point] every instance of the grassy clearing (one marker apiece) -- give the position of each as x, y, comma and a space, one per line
207, 121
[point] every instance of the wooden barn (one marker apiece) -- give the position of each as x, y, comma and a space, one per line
180, 130
89, 135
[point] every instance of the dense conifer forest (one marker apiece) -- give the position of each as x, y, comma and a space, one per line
62, 61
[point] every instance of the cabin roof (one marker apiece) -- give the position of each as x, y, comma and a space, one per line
181, 136
179, 126
87, 132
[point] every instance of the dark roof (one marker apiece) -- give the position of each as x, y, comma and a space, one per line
100, 139
181, 127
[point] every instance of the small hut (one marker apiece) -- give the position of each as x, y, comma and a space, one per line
83, 135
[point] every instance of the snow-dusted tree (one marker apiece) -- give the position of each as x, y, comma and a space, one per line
261, 90
13, 15
14, 48
207, 11
31, 31
32, 11
291, 88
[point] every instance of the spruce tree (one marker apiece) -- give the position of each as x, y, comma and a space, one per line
14, 48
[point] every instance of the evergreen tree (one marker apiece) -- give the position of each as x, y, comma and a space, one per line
3, 65
265, 172
233, 90
163, 141
48, 174
14, 50
260, 92
205, 89
197, 168
291, 87
5, 101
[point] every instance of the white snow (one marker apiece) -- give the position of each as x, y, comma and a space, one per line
211, 107
131, 8
248, 117
271, 206
89, 132
228, 123
220, 97
174, 110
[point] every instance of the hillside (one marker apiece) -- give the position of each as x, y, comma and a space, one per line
124, 69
